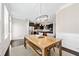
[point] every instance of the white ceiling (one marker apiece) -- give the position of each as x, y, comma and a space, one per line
32, 10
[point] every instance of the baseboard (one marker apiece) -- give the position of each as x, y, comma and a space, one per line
70, 51
17, 42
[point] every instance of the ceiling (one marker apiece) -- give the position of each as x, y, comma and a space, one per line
32, 10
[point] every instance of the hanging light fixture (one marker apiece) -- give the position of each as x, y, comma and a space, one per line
41, 18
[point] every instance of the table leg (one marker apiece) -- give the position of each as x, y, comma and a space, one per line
60, 48
25, 42
45, 52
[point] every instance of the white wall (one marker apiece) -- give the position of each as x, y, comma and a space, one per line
6, 23
67, 26
1, 22
70, 18
20, 28
4, 44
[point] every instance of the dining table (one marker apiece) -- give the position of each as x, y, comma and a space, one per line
43, 44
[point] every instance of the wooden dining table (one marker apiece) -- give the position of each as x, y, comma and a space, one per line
43, 44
